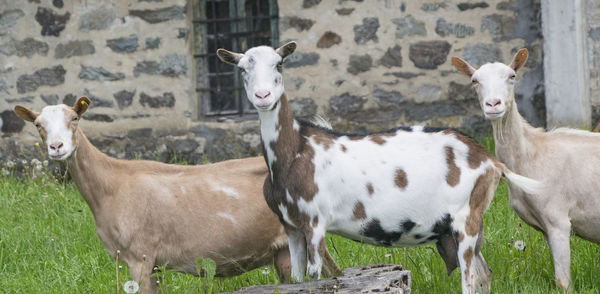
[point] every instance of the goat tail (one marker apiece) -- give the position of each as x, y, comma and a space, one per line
526, 184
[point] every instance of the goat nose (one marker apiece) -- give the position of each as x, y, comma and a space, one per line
493, 103
262, 94
56, 146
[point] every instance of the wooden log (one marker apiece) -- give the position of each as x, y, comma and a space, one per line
378, 278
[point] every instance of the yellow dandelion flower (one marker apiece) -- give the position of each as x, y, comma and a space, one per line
37, 144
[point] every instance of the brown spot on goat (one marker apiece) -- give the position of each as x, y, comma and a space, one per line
324, 140
303, 169
343, 147
379, 138
461, 237
481, 195
400, 178
359, 211
315, 221
453, 176
370, 189
477, 153
468, 256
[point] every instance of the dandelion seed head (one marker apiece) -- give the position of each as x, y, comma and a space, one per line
265, 271
10, 164
520, 245
131, 287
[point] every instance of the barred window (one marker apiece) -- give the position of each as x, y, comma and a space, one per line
235, 25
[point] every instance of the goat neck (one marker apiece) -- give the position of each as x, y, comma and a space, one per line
88, 168
280, 136
512, 138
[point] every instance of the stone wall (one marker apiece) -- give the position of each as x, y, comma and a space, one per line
370, 65
366, 65
132, 58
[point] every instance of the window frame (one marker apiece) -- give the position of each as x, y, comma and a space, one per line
240, 37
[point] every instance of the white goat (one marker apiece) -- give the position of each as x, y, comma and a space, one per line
170, 214
565, 160
402, 187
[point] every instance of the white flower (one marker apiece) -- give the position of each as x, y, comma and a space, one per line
24, 162
35, 161
265, 271
45, 163
520, 245
131, 287
120, 267
10, 164
38, 167
388, 255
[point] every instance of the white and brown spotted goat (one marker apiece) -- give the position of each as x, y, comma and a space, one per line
170, 214
566, 160
402, 187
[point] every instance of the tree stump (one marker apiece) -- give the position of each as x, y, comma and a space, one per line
378, 278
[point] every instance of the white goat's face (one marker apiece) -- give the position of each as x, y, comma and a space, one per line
494, 83
57, 125
261, 72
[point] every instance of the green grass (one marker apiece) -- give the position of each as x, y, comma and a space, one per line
48, 244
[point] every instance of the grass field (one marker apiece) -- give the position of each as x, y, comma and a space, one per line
48, 244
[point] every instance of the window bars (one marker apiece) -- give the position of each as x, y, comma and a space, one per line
236, 25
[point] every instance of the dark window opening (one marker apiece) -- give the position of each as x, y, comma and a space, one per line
235, 25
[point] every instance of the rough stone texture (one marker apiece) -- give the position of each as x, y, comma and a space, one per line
367, 31
50, 76
152, 43
27, 99
124, 44
443, 28
58, 3
50, 99
429, 54
98, 117
166, 100
300, 24
74, 48
95, 20
480, 54
346, 103
171, 65
299, 59
27, 47
99, 74
344, 11
124, 98
387, 98
160, 15
329, 39
461, 92
9, 18
392, 57
11, 123
428, 111
359, 63
182, 33
310, 3
70, 99
466, 5
304, 108
409, 26
404, 75
51, 22
433, 6
96, 101
498, 25
428, 93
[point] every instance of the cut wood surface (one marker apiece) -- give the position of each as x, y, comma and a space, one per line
379, 278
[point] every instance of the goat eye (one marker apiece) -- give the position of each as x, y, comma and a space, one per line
75, 118
37, 125
512, 77
279, 66
474, 82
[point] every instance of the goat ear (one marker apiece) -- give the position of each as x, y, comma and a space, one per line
81, 105
25, 113
519, 59
286, 49
229, 57
463, 66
